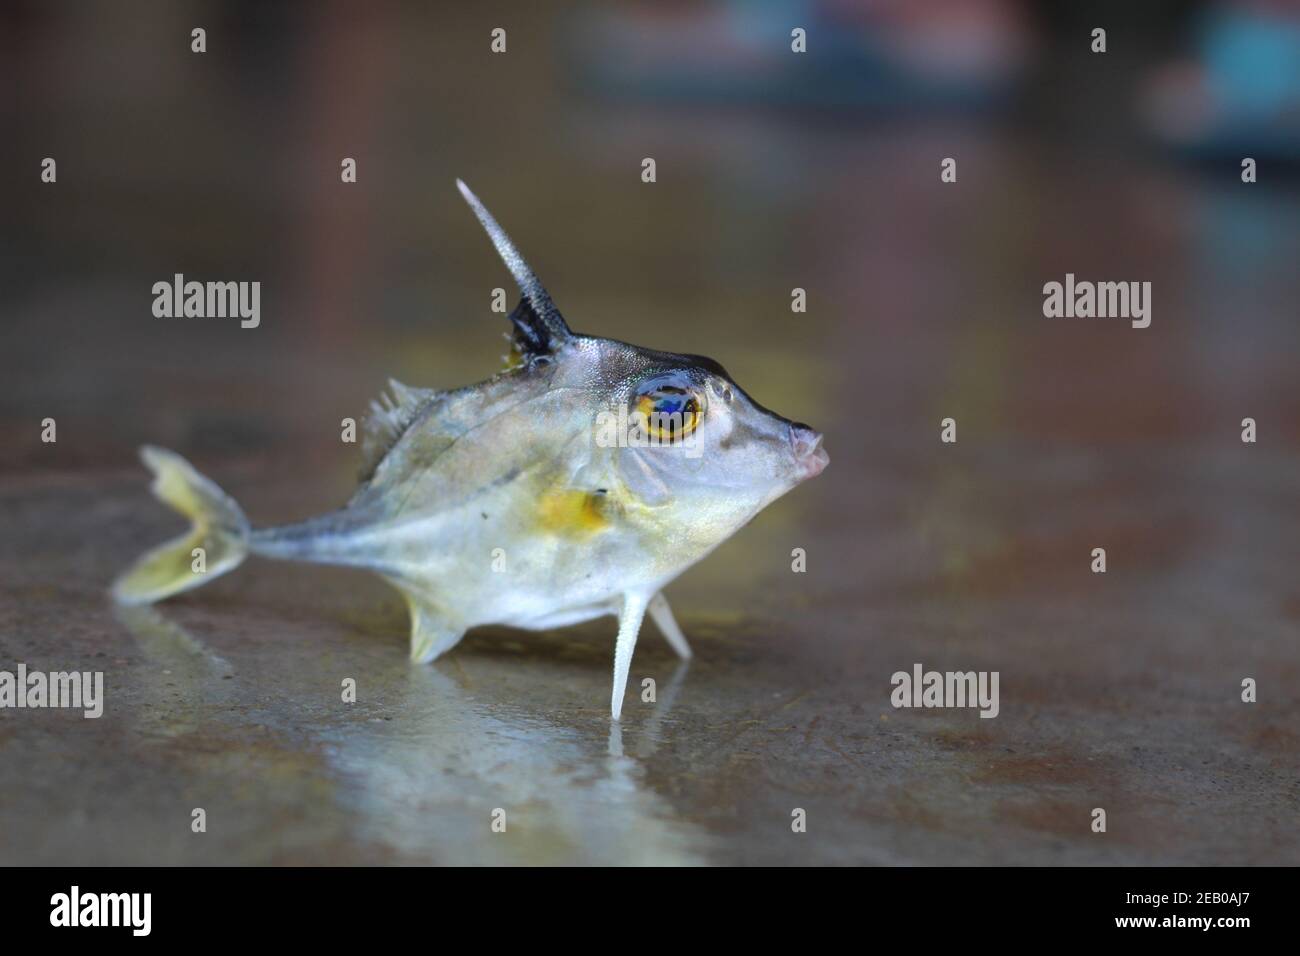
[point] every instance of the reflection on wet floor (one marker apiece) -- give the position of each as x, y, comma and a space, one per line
426, 781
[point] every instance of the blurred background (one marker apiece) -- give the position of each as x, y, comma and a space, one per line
775, 170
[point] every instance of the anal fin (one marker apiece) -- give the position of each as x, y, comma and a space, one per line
432, 632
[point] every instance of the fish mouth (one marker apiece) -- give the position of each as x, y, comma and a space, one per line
810, 457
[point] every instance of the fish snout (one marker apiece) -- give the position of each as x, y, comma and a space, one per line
809, 455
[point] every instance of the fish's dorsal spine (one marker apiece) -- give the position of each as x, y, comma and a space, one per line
540, 329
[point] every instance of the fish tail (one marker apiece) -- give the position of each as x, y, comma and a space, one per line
216, 543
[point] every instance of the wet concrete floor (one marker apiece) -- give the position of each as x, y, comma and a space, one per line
1118, 691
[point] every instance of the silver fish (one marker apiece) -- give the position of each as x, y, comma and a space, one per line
576, 483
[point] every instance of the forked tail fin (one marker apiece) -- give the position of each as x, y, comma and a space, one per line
220, 534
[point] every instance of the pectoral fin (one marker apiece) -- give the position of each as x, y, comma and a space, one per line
642, 479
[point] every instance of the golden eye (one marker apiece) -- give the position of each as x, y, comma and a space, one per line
668, 413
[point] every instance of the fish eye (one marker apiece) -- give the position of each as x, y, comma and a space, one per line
667, 413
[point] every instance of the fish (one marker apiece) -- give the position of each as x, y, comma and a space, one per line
576, 483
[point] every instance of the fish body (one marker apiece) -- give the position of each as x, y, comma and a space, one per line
575, 484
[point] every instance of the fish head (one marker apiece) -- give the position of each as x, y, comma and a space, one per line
683, 437
683, 443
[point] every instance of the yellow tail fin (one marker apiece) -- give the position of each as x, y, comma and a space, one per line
216, 543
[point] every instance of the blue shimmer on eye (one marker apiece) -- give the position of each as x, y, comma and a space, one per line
670, 406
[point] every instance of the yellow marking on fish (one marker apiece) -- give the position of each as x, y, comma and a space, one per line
572, 513
514, 358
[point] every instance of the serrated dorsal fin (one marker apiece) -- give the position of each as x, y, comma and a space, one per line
390, 416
